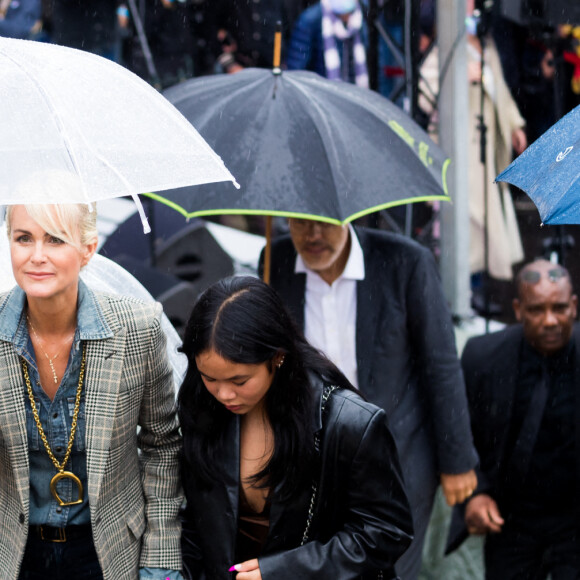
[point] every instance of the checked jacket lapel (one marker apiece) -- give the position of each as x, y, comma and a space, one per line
13, 418
102, 382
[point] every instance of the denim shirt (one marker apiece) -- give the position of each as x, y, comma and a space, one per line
56, 415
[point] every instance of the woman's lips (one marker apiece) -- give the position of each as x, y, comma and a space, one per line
39, 275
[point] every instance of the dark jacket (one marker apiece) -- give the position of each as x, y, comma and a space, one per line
306, 48
20, 18
406, 356
251, 27
491, 364
361, 521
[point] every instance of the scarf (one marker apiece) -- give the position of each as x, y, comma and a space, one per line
333, 29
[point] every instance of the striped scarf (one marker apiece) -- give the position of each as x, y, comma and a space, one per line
333, 29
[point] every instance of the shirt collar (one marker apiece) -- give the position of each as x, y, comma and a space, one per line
355, 265
91, 323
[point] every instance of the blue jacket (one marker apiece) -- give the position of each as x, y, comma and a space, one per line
20, 18
306, 50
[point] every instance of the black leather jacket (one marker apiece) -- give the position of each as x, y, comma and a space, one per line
362, 521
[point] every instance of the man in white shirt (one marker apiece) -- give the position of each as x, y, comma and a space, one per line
372, 301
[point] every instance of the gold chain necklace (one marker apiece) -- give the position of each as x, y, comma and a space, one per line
39, 340
62, 474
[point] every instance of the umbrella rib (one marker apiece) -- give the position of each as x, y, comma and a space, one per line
57, 118
397, 129
316, 122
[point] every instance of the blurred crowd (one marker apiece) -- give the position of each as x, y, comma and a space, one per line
167, 41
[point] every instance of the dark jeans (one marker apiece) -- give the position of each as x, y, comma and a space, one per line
60, 561
530, 548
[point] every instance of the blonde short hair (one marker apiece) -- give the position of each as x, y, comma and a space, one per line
74, 223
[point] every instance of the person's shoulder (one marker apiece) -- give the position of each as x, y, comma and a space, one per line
311, 15
351, 406
384, 240
486, 347
282, 245
393, 251
128, 310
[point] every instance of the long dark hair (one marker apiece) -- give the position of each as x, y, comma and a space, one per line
244, 321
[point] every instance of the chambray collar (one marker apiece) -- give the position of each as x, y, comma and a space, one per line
91, 323
355, 265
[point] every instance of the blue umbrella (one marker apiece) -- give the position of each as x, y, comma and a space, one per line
549, 171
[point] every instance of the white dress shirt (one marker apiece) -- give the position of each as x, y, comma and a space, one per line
330, 310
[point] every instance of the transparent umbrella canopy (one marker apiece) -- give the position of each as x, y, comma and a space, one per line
69, 112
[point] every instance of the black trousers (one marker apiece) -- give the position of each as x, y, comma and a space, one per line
74, 558
530, 548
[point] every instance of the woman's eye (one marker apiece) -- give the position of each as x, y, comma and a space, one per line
55, 240
23, 239
239, 384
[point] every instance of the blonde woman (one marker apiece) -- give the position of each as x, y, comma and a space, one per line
84, 493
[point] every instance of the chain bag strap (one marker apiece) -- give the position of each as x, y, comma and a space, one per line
327, 391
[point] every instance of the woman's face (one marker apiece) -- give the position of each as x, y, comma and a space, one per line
241, 388
44, 266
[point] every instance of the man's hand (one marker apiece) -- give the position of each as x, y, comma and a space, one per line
249, 570
519, 140
482, 515
458, 487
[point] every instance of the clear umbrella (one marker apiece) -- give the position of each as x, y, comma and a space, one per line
69, 112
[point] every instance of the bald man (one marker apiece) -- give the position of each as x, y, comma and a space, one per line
523, 387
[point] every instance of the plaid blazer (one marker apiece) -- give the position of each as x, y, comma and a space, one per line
133, 474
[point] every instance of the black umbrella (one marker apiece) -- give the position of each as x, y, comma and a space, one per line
301, 145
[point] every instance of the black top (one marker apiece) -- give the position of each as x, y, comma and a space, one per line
549, 484
253, 529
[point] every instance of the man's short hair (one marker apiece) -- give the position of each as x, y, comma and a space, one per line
530, 275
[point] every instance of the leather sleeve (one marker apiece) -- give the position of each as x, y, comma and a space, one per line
190, 548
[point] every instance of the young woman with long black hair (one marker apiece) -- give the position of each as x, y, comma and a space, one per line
287, 471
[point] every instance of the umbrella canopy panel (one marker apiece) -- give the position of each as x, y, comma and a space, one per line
302, 145
69, 112
549, 171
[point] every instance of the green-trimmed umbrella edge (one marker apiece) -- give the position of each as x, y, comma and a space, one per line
290, 214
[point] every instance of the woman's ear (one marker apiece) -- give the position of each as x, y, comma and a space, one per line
278, 360
88, 252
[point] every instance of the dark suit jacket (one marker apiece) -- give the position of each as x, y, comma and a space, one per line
407, 361
361, 522
490, 364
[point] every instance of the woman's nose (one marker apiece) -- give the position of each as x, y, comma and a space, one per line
38, 253
225, 393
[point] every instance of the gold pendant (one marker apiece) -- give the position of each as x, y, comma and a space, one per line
66, 475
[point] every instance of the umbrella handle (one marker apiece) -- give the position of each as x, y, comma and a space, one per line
268, 250
277, 45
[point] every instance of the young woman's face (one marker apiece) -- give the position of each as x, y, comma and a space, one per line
241, 388
43, 266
